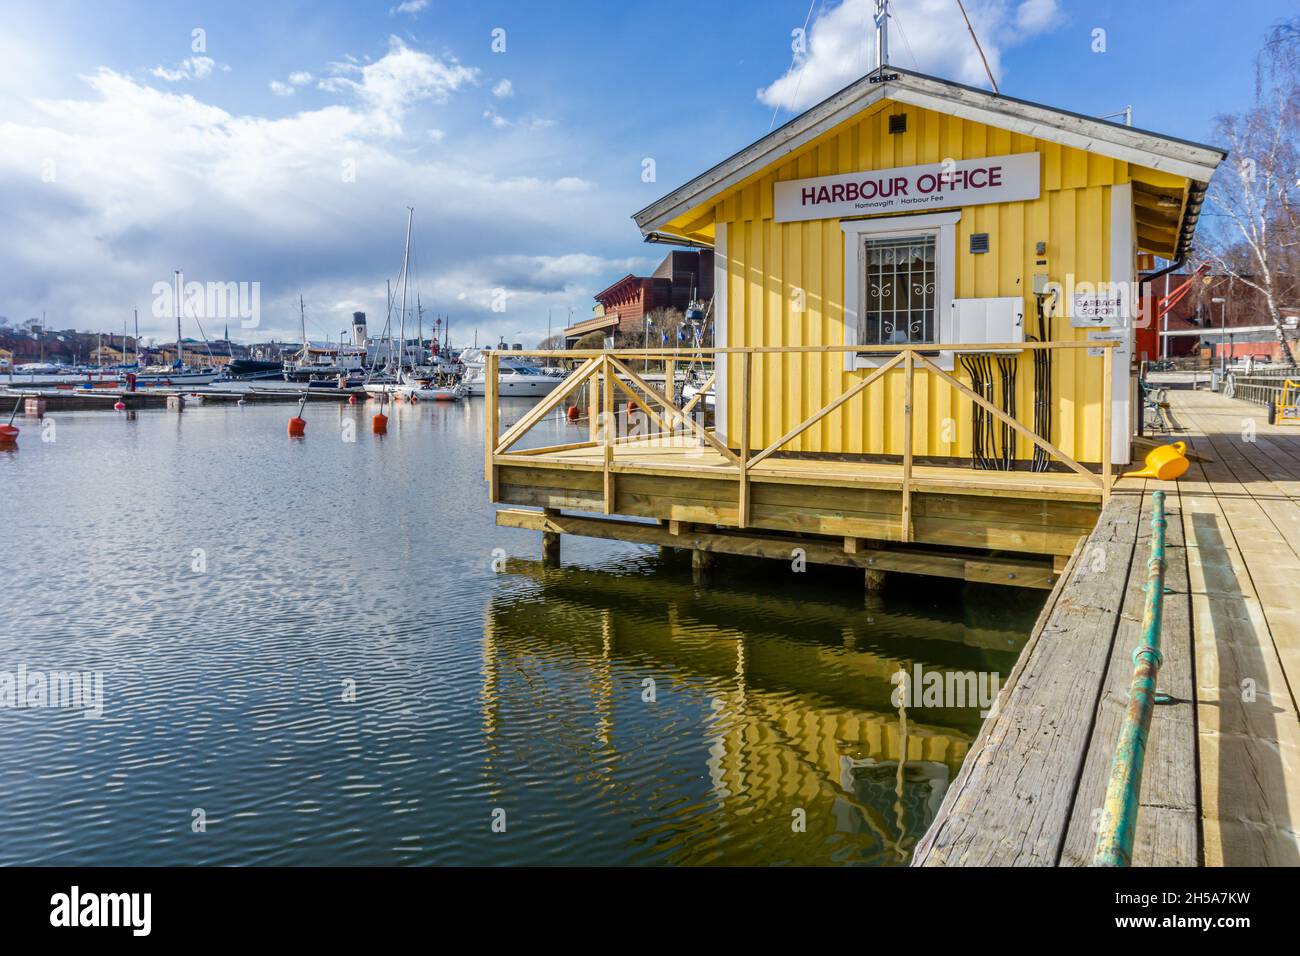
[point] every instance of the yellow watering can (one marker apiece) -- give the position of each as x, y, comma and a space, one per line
1165, 463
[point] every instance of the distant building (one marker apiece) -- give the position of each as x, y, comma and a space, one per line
623, 306
1242, 307
198, 352
107, 355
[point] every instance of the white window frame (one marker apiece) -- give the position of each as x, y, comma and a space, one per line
941, 225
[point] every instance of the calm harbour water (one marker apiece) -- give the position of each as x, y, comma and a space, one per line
238, 589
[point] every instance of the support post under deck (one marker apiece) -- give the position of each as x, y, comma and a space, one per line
551, 542
702, 564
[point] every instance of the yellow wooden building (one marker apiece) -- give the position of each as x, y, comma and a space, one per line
925, 299
1089, 194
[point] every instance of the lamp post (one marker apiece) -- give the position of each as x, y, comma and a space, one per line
1223, 329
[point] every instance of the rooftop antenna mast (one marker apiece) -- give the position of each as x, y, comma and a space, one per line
882, 34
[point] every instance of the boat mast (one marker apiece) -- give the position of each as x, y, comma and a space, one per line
406, 258
180, 356
419, 330
302, 316
137, 339
388, 325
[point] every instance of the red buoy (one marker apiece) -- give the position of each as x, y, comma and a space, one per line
379, 424
297, 427
573, 413
119, 406
352, 399
8, 434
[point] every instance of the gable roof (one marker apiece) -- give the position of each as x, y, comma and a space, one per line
1193, 161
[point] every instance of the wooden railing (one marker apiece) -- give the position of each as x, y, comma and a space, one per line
603, 373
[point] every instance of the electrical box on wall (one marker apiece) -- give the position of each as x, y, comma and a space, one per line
998, 319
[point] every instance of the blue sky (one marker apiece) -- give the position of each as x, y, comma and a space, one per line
125, 153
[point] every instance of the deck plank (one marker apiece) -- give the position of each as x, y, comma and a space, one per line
1242, 523
1168, 830
1012, 801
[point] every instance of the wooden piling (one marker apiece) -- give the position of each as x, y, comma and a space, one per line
551, 542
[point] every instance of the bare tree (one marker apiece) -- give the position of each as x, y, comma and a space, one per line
1256, 193
662, 323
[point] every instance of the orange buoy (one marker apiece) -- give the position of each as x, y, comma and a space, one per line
8, 434
573, 413
119, 406
298, 424
413, 398
379, 424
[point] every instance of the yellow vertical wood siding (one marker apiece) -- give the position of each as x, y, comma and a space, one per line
768, 263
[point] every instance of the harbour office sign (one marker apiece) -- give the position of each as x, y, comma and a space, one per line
969, 182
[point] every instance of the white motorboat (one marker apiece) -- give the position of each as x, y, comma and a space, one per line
689, 391
421, 389
515, 379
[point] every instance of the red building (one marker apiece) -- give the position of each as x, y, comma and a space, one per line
1242, 308
623, 306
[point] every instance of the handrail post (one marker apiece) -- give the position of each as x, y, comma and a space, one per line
745, 372
609, 429
593, 402
1124, 791
492, 424
909, 368
670, 388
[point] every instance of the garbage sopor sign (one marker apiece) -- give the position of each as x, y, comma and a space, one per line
969, 182
1105, 307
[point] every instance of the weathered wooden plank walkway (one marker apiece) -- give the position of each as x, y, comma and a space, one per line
1241, 518
1222, 778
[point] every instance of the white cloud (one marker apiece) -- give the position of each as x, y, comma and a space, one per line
841, 44
297, 78
410, 6
399, 79
503, 90
531, 123
194, 68
1038, 16
147, 180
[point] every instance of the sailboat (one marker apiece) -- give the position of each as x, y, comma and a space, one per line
323, 364
175, 375
409, 377
178, 373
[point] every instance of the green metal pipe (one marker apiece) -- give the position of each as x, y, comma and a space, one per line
1123, 794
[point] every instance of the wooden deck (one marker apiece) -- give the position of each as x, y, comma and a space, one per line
842, 512
1222, 778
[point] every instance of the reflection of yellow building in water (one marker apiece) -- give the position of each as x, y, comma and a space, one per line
783, 724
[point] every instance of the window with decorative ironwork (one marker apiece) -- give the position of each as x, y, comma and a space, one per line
898, 306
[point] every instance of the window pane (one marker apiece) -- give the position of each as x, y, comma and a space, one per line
899, 303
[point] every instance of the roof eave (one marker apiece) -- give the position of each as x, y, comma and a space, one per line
1193, 161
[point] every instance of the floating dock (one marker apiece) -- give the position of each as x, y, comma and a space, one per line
1222, 780
103, 399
